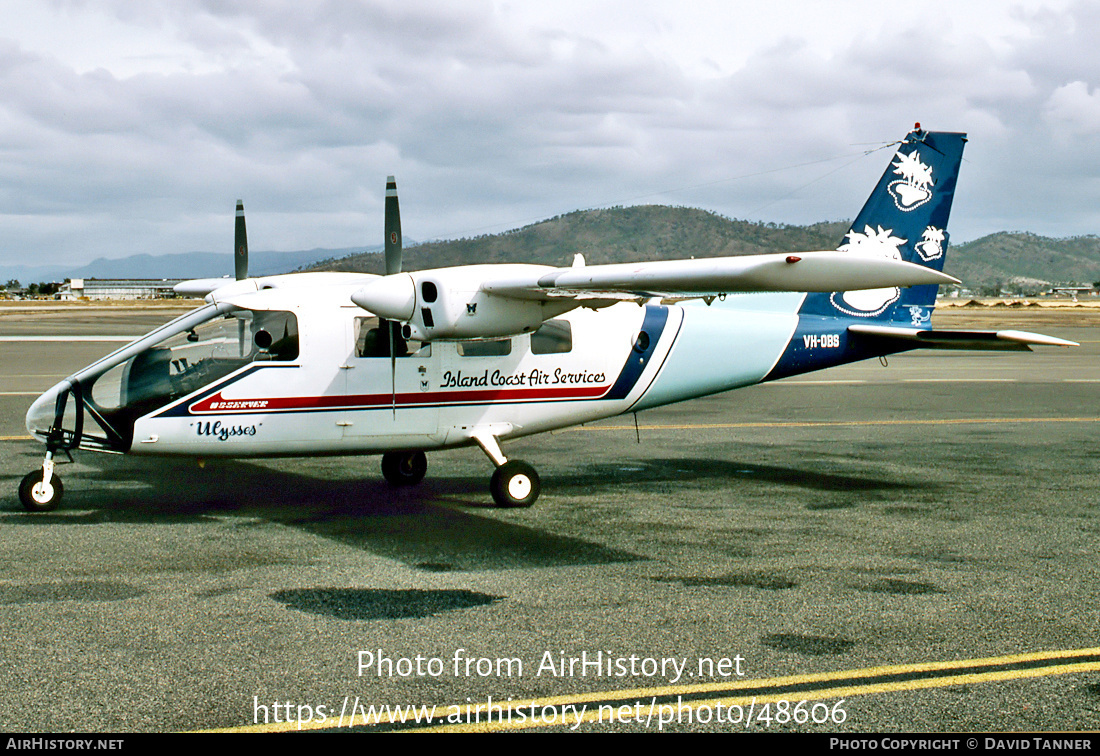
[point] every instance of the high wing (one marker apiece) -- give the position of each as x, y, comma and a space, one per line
1001, 341
200, 287
489, 301
805, 271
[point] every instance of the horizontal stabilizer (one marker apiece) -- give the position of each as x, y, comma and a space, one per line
980, 340
804, 271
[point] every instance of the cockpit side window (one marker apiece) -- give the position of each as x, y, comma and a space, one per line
189, 358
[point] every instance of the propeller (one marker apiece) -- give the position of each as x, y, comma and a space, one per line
240, 245
240, 263
392, 249
393, 228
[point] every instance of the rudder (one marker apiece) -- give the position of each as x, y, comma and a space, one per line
905, 218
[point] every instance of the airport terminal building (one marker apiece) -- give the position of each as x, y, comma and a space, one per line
119, 288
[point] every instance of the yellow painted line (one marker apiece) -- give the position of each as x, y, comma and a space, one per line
837, 423
16, 438
840, 685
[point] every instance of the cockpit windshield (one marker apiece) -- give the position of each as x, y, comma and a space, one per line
181, 358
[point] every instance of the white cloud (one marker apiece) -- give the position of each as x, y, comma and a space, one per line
133, 127
1073, 110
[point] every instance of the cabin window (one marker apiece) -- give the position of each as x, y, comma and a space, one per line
488, 348
552, 337
194, 357
372, 340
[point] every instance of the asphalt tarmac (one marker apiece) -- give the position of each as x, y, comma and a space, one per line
894, 549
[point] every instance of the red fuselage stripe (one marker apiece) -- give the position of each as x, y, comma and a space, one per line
216, 404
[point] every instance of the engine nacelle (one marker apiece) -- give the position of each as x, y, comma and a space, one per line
448, 304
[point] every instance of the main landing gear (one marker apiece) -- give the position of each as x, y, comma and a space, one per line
404, 468
514, 483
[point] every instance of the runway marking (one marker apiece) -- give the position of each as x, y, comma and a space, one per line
820, 382
747, 694
16, 438
121, 339
837, 423
958, 380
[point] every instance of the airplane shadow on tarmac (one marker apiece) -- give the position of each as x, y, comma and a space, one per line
434, 526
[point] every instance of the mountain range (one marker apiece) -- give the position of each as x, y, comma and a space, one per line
1015, 261
1019, 261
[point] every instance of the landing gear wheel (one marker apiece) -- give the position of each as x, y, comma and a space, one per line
404, 468
38, 496
515, 484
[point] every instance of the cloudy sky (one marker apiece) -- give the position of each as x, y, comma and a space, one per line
130, 127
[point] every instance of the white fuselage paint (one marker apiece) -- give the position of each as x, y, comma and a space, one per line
330, 401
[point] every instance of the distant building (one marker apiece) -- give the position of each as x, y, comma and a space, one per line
1074, 291
119, 288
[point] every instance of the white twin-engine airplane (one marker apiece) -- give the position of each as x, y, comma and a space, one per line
340, 363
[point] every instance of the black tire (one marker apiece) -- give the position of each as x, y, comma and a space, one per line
515, 484
404, 468
34, 498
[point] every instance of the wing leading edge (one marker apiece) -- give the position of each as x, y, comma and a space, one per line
804, 271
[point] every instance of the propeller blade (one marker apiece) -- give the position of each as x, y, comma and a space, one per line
393, 265
393, 228
240, 245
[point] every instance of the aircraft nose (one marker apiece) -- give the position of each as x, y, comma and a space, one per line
40, 416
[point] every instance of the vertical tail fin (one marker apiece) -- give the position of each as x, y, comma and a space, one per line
904, 218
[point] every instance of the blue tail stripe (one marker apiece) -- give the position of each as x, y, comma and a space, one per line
904, 218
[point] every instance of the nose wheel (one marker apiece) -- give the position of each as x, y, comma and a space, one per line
41, 490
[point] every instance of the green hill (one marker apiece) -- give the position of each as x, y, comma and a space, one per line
654, 232
618, 234
1025, 261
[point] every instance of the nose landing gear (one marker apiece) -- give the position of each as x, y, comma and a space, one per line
41, 490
